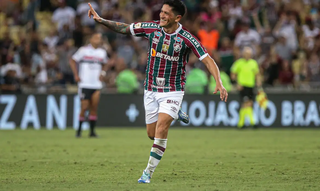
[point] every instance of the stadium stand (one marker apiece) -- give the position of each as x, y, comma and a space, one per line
284, 35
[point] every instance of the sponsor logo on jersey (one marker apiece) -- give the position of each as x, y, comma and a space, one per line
158, 34
178, 39
92, 58
192, 39
160, 87
164, 56
177, 47
146, 25
165, 47
160, 81
153, 52
137, 26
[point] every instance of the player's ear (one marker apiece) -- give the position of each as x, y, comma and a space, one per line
178, 18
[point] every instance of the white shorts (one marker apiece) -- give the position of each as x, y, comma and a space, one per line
166, 102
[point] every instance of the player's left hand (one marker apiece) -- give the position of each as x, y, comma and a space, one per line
223, 92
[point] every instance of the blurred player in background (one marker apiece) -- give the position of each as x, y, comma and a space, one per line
170, 45
245, 71
92, 61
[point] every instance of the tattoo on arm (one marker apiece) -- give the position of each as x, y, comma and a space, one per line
118, 27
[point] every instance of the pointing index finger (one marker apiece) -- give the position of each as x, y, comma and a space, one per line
91, 7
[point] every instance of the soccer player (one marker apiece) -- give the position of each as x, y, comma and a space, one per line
246, 72
170, 45
92, 62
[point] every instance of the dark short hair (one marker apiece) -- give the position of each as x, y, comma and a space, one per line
178, 7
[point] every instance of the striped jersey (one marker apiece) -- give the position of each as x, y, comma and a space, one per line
168, 55
90, 62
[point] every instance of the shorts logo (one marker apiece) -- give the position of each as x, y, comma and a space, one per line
174, 109
137, 26
160, 81
177, 47
165, 47
173, 101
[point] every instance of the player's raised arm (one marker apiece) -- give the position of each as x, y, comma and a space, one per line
118, 27
214, 70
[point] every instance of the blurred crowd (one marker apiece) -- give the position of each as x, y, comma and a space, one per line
37, 39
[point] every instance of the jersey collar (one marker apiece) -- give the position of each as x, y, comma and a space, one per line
175, 32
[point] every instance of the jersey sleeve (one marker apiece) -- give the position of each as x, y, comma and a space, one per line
256, 68
78, 55
195, 45
105, 57
144, 29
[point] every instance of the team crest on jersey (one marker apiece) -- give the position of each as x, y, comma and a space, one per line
137, 26
160, 81
177, 47
155, 40
158, 34
165, 47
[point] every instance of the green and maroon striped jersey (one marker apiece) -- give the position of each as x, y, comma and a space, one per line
168, 55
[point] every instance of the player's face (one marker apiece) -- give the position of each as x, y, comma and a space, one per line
96, 40
167, 17
247, 53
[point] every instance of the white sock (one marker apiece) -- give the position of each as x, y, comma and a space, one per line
157, 150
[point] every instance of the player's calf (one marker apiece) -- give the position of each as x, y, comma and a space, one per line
151, 130
81, 120
92, 120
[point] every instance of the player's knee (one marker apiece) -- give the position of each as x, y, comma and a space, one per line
151, 134
162, 129
83, 109
93, 109
93, 112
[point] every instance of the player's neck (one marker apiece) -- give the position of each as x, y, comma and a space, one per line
171, 29
95, 47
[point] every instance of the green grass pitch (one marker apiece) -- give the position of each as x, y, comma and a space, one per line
195, 159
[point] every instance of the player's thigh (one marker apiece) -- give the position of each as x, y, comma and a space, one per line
84, 98
95, 98
246, 96
250, 94
170, 103
151, 107
242, 95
